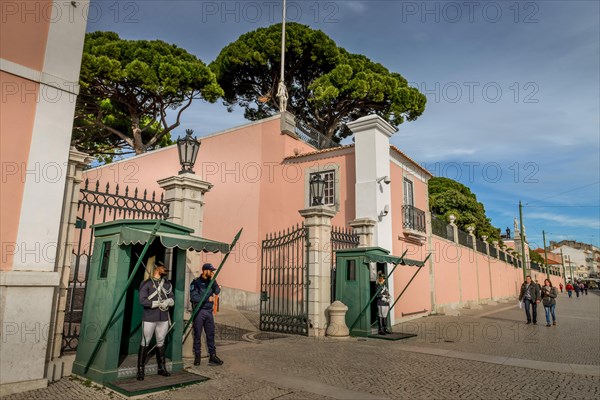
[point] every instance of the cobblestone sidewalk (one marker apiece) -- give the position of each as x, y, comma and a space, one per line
294, 367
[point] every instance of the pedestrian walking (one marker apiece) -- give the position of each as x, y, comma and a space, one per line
156, 296
530, 295
204, 320
577, 289
570, 289
549, 295
383, 305
585, 288
560, 285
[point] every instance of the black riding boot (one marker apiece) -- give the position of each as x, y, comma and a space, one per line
142, 356
161, 361
385, 326
381, 331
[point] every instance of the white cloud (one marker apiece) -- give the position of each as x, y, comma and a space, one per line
566, 220
357, 6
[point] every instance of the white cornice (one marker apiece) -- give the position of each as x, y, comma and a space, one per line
40, 77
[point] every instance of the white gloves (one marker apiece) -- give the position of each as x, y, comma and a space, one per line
163, 304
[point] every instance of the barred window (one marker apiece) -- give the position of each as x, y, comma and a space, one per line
105, 259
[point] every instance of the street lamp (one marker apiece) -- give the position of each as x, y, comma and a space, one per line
187, 147
317, 190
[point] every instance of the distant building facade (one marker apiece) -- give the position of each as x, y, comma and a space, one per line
584, 258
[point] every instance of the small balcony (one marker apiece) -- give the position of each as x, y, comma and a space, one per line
413, 222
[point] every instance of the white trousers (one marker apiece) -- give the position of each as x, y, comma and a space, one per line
149, 328
382, 311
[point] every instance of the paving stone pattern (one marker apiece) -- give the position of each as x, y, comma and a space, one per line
297, 367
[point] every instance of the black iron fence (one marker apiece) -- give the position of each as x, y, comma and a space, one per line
414, 218
284, 282
440, 228
465, 239
502, 256
481, 246
314, 137
493, 251
341, 238
96, 205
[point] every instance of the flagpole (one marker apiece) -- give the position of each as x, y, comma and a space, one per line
281, 89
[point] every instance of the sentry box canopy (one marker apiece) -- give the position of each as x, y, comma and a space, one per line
356, 276
124, 254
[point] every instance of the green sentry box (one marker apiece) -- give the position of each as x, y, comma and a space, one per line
356, 284
116, 249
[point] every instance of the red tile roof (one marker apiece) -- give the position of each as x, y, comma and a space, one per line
318, 152
394, 148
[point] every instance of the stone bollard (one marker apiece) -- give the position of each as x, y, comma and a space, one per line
337, 327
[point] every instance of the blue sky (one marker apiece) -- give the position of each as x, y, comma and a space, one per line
513, 88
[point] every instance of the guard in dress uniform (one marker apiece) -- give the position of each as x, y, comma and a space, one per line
383, 305
156, 296
204, 319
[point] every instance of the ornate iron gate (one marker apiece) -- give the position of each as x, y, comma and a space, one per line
284, 282
96, 206
341, 238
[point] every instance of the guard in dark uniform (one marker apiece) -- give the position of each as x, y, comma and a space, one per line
383, 305
204, 319
156, 295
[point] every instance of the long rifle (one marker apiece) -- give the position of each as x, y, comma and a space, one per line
212, 281
374, 296
131, 276
406, 287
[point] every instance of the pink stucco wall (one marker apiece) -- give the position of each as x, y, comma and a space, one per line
497, 279
16, 125
417, 296
254, 188
445, 263
29, 22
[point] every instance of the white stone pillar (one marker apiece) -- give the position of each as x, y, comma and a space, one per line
77, 161
364, 228
489, 260
317, 220
372, 160
185, 195
372, 163
454, 228
471, 231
